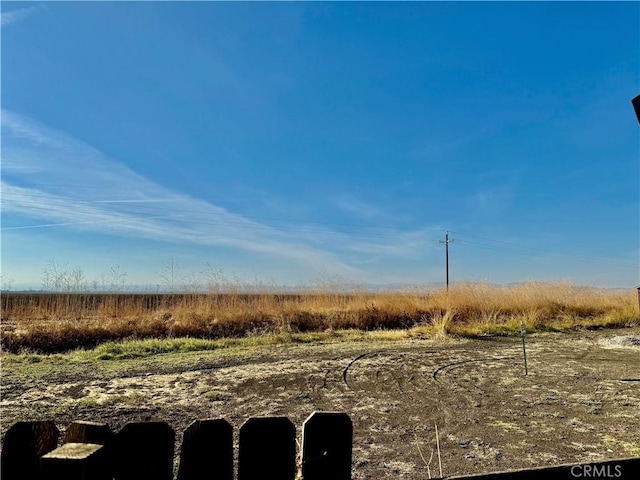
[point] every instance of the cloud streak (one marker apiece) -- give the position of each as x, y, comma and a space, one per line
7, 18
360, 208
61, 181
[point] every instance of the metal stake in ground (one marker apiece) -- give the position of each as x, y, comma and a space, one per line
523, 332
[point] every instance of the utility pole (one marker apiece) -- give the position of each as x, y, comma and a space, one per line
446, 242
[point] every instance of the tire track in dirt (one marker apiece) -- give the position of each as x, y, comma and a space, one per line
345, 372
450, 366
428, 378
406, 370
370, 372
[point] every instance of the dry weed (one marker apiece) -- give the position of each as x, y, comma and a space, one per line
51, 322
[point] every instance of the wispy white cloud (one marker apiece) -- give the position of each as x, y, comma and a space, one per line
8, 18
51, 177
487, 201
401, 245
59, 180
495, 192
381, 242
353, 205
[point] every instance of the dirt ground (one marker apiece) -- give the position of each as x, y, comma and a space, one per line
580, 401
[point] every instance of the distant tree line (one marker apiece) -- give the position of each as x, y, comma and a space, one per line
59, 277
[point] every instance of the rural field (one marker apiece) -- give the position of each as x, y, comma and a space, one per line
398, 363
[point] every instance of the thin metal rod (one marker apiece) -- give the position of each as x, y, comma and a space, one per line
524, 351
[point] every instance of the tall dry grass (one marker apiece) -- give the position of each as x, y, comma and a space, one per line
54, 322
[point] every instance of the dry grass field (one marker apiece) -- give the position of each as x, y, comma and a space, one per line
58, 322
398, 363
579, 402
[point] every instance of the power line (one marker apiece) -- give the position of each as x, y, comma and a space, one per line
537, 253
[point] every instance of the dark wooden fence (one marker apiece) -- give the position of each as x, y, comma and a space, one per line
145, 451
267, 450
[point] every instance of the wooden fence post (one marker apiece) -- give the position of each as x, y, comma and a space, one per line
76, 461
144, 451
327, 446
85, 455
267, 449
88, 432
23, 445
207, 451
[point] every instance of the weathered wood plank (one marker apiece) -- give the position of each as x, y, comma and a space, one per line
327, 446
267, 449
88, 432
144, 451
23, 445
76, 461
207, 451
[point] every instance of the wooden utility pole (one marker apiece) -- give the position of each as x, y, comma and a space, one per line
446, 242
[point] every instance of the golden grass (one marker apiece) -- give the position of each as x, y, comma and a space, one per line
56, 322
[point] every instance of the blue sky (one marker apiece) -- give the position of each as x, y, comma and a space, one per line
301, 143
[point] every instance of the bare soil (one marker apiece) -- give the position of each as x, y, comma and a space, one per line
580, 401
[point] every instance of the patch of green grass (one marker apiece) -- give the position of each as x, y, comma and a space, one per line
445, 327
134, 398
151, 346
88, 402
40, 407
138, 349
508, 426
216, 396
630, 448
41, 410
